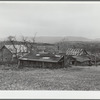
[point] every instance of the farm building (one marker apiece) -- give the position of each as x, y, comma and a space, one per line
5, 55
77, 57
8, 52
42, 60
79, 60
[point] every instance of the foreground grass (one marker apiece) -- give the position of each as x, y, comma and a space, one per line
75, 78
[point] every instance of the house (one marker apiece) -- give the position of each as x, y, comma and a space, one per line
8, 52
42, 60
77, 57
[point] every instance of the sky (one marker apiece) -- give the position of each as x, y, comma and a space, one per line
80, 19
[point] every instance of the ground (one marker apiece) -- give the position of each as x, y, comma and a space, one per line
74, 78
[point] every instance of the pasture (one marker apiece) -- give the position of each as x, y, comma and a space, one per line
74, 78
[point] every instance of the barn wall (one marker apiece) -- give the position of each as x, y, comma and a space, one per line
5, 55
72, 61
86, 63
38, 64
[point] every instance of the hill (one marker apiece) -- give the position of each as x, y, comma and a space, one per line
47, 39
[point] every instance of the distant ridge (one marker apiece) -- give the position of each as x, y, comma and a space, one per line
60, 39
55, 39
97, 39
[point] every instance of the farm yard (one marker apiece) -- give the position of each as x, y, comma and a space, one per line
30, 68
50, 47
73, 78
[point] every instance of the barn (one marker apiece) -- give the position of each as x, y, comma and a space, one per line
42, 60
5, 55
79, 60
77, 57
8, 52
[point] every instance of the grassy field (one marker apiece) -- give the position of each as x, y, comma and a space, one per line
74, 78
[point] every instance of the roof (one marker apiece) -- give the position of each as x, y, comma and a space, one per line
71, 51
42, 57
81, 58
20, 48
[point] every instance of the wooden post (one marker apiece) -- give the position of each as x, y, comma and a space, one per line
64, 61
2, 55
95, 61
18, 64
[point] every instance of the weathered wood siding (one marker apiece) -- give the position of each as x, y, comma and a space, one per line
39, 64
5, 55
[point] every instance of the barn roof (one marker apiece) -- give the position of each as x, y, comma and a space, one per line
71, 51
20, 48
42, 57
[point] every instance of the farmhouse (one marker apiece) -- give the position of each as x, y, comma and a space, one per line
42, 60
77, 57
8, 52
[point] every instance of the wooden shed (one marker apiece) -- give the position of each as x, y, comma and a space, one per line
42, 60
77, 57
79, 60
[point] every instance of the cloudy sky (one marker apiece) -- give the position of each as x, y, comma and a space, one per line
50, 19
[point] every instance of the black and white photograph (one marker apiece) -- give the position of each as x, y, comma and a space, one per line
50, 46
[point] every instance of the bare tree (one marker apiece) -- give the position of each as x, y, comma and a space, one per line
30, 44
25, 42
12, 40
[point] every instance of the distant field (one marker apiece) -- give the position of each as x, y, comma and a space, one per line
75, 78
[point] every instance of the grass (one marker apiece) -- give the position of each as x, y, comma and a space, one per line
74, 78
